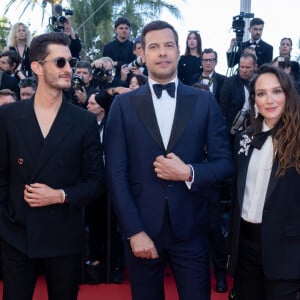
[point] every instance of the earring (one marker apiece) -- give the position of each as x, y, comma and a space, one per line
256, 111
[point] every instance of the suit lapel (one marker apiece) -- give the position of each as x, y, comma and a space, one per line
145, 110
242, 174
185, 105
60, 128
273, 180
38, 155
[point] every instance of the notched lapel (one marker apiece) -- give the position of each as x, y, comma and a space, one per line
273, 180
145, 110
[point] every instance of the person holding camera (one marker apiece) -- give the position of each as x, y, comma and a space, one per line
234, 94
75, 43
82, 88
255, 45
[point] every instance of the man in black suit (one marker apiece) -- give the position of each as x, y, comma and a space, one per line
50, 167
234, 94
209, 77
262, 50
8, 82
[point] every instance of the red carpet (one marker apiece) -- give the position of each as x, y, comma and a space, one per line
115, 291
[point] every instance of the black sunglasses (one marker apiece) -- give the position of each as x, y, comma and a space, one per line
61, 62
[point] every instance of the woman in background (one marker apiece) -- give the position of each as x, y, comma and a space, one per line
265, 241
19, 39
190, 63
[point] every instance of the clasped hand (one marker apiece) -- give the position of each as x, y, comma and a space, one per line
171, 167
39, 194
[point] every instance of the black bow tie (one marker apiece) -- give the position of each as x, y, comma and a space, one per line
260, 138
170, 88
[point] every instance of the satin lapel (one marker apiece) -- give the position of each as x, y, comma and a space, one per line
185, 106
60, 128
144, 108
243, 163
273, 180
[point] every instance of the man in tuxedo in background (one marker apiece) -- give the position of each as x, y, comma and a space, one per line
156, 175
262, 50
234, 99
209, 77
50, 168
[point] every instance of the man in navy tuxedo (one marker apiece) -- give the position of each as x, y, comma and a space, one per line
154, 149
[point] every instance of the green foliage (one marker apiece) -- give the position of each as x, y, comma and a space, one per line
93, 20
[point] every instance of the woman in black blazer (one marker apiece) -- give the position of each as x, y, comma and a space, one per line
265, 236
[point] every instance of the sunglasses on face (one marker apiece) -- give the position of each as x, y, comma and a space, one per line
61, 62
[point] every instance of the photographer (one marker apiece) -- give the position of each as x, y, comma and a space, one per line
81, 87
75, 45
262, 50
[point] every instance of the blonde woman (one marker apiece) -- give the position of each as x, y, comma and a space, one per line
19, 39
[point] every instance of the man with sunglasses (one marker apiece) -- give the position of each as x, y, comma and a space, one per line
50, 168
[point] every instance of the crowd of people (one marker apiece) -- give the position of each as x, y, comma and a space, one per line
145, 158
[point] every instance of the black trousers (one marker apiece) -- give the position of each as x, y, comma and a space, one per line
250, 281
20, 274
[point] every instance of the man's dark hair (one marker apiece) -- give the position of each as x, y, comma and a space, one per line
28, 82
13, 57
158, 25
39, 45
256, 21
120, 21
248, 54
83, 64
210, 50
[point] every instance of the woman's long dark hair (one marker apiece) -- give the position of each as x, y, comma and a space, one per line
286, 135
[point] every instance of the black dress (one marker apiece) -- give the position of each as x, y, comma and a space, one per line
188, 65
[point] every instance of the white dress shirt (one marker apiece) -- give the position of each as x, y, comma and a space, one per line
164, 110
257, 181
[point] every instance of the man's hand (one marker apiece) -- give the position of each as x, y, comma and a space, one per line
39, 194
171, 167
142, 246
81, 95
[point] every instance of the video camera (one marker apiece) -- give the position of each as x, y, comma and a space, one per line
57, 21
238, 25
101, 73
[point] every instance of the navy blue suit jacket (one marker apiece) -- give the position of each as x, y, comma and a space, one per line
133, 142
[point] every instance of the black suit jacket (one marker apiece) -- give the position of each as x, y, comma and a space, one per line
263, 50
68, 158
280, 223
9, 82
232, 98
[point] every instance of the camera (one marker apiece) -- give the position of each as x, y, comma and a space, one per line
57, 21
238, 25
77, 83
101, 73
137, 63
